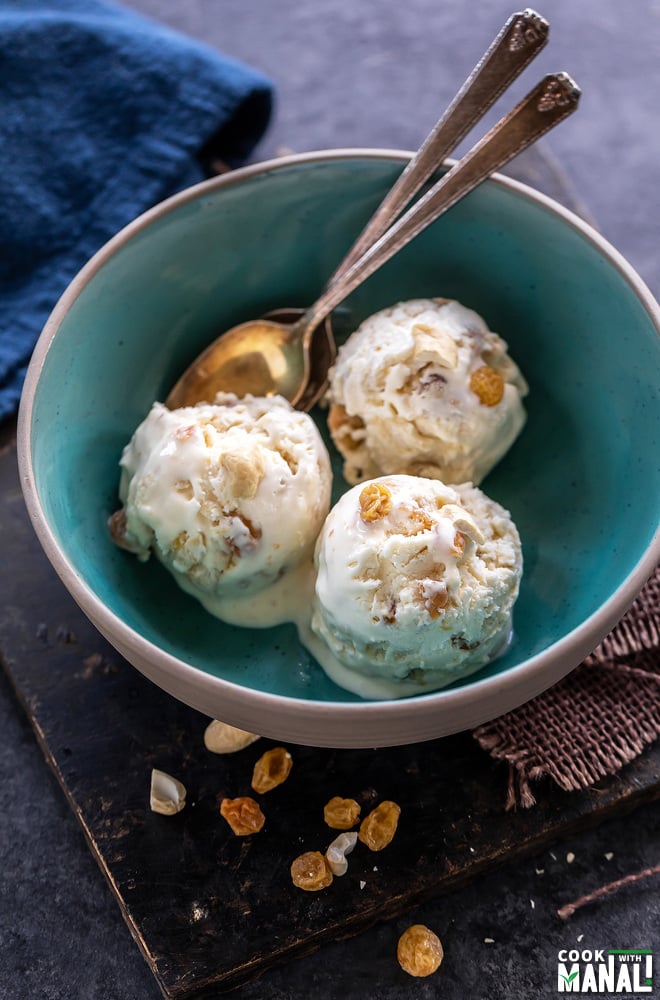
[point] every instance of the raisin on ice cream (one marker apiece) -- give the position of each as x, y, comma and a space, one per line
415, 585
424, 388
230, 496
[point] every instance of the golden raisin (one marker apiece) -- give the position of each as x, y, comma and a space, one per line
379, 827
243, 815
271, 769
311, 871
437, 602
419, 951
487, 384
375, 502
417, 520
117, 526
341, 814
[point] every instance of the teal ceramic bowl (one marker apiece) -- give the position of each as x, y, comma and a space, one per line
582, 481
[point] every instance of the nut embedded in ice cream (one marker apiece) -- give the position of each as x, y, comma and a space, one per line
415, 585
230, 496
425, 388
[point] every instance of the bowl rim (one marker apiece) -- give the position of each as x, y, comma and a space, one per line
414, 716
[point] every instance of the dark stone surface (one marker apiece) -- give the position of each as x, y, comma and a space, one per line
63, 937
376, 74
210, 910
379, 72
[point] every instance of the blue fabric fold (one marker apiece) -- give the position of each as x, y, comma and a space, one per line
104, 113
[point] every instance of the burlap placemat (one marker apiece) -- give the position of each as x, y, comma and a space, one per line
598, 718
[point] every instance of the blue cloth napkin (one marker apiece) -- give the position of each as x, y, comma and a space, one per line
103, 114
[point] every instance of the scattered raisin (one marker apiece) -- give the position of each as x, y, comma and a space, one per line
243, 815
419, 951
311, 872
379, 827
375, 502
341, 814
487, 384
271, 769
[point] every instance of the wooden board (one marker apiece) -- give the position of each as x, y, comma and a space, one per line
209, 910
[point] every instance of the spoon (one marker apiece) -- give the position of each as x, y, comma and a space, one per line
519, 41
278, 354
265, 357
522, 37
552, 100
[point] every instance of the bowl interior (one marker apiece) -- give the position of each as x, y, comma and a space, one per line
582, 481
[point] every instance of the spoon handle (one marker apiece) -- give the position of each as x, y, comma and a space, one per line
519, 41
552, 100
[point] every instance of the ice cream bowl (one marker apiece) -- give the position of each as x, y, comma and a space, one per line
582, 481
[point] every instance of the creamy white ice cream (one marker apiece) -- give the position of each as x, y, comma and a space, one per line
230, 497
425, 388
415, 585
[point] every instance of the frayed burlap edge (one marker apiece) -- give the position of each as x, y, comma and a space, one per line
594, 721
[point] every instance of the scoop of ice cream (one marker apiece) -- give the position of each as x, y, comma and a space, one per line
415, 585
230, 496
424, 388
